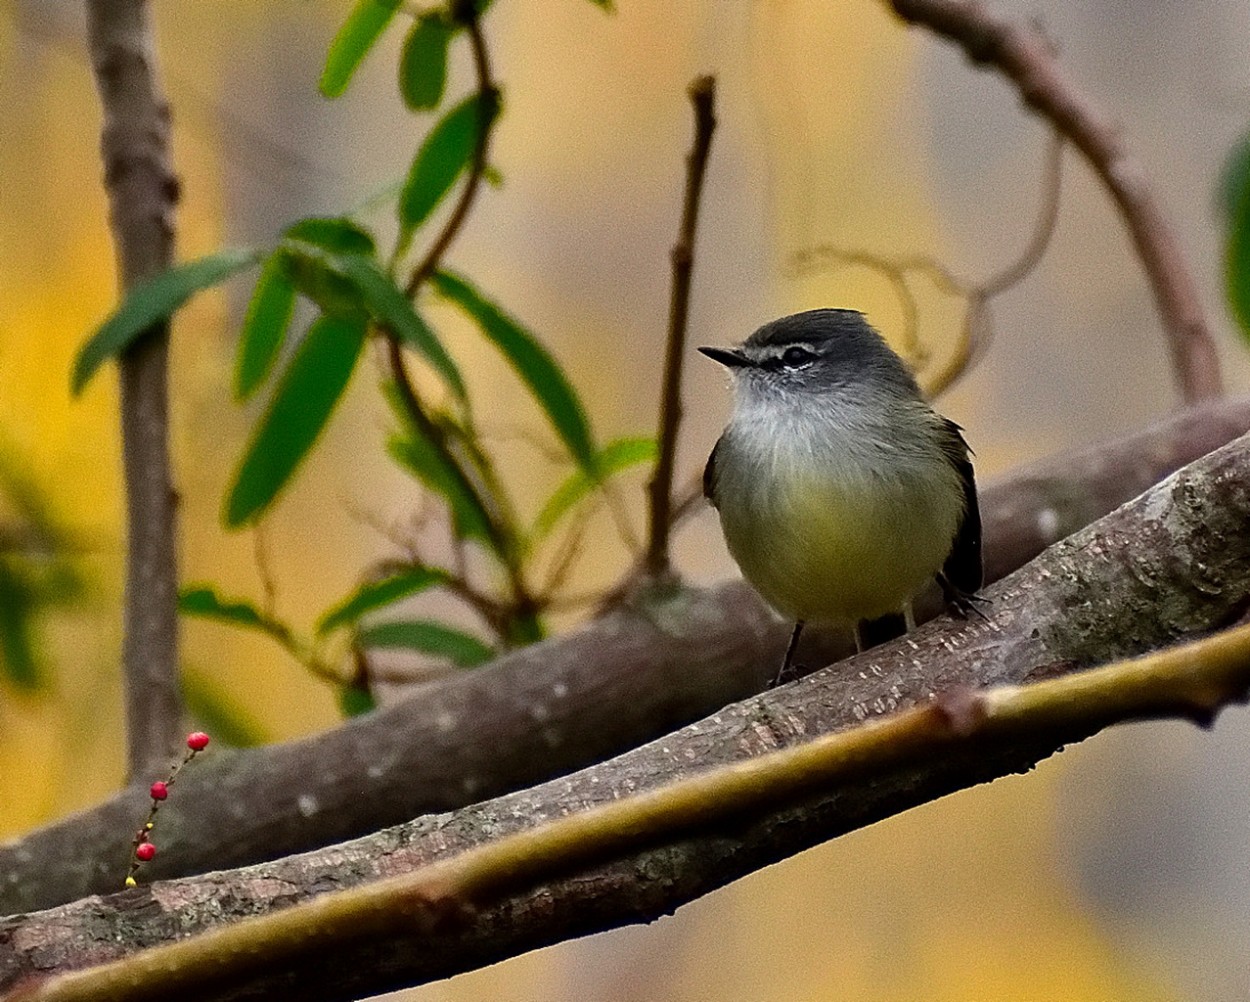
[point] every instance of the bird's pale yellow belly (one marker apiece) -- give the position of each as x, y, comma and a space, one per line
844, 548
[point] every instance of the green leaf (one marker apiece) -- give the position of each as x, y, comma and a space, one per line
354, 40
1235, 196
355, 700
19, 656
215, 712
614, 458
388, 305
264, 327
605, 5
428, 637
311, 386
203, 602
532, 363
428, 465
423, 64
336, 234
443, 157
1234, 178
151, 302
376, 594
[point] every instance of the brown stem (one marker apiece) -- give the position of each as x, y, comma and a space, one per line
1025, 56
465, 12
702, 96
142, 191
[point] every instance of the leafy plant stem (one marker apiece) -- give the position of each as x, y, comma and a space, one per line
499, 525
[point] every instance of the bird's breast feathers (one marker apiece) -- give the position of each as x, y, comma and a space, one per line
831, 526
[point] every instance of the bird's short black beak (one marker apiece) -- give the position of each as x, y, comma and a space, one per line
730, 357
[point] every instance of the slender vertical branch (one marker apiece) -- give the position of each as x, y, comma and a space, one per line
702, 97
142, 191
1026, 57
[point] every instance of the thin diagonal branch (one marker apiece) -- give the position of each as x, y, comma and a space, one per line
142, 191
1025, 56
702, 97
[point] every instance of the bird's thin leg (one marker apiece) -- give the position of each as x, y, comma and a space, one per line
909, 617
785, 664
860, 645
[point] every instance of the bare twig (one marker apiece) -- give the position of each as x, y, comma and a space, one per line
976, 328
1193, 682
702, 97
142, 191
1026, 57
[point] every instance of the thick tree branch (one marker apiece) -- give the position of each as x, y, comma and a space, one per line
1174, 564
660, 489
551, 708
1193, 681
142, 191
1025, 56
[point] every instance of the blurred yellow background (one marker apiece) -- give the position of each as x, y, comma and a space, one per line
1112, 873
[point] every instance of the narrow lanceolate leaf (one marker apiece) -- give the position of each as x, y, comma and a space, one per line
428, 637
443, 157
203, 602
301, 406
153, 301
264, 328
423, 64
1237, 251
390, 307
433, 469
352, 43
337, 234
540, 372
312, 252
377, 594
614, 458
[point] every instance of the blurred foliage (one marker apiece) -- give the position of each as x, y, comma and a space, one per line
37, 574
1233, 202
359, 293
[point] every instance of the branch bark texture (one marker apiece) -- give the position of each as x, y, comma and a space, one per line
142, 191
1174, 564
1026, 57
1193, 681
627, 678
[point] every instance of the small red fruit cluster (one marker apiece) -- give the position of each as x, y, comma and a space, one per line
142, 846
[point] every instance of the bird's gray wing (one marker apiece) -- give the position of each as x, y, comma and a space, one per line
962, 571
709, 474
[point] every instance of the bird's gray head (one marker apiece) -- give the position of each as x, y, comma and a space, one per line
819, 351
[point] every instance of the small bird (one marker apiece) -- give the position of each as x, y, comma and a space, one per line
841, 492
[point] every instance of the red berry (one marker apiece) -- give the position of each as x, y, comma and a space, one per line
160, 790
144, 851
197, 741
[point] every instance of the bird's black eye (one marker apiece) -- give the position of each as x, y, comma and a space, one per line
795, 357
